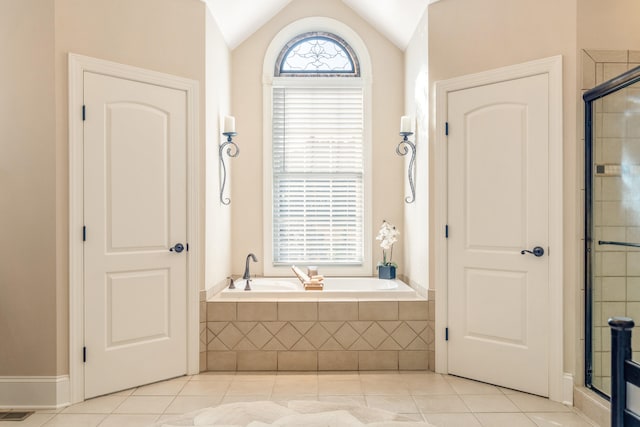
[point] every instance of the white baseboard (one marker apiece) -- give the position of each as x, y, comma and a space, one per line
567, 389
34, 392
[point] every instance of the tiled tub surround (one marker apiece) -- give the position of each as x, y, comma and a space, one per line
317, 335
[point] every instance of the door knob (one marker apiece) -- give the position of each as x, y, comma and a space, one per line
537, 251
179, 247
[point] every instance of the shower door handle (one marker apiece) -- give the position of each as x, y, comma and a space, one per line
537, 251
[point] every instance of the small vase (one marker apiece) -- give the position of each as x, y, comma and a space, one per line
387, 272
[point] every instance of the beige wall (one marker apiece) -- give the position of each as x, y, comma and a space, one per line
162, 35
388, 88
27, 199
416, 102
218, 104
606, 24
467, 36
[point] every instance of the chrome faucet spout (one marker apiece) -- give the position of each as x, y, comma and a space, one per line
247, 275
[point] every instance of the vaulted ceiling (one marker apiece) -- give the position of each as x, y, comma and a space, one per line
396, 19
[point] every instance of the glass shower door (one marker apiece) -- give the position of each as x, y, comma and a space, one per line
612, 244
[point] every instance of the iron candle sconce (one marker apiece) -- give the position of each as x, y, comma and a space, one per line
232, 151
403, 149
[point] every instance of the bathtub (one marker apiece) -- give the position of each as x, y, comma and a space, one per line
335, 288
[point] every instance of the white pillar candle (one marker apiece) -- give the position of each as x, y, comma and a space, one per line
229, 124
405, 124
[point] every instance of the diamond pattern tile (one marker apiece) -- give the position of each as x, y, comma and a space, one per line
245, 327
274, 345
331, 327
404, 335
216, 344
417, 344
389, 344
417, 325
375, 335
273, 327
230, 336
346, 336
259, 335
361, 344
303, 344
360, 326
288, 336
427, 335
389, 325
317, 335
245, 344
303, 327
331, 344
203, 336
216, 327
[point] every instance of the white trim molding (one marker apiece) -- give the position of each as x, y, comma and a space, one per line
558, 382
34, 392
567, 389
78, 65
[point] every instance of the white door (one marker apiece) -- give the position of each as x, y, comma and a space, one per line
134, 212
498, 298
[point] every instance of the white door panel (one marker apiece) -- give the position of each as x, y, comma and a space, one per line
138, 217
135, 211
498, 206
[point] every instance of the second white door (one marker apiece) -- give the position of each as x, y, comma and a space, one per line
498, 171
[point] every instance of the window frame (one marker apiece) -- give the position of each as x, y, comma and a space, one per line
270, 81
353, 58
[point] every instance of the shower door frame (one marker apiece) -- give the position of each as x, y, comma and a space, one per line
626, 79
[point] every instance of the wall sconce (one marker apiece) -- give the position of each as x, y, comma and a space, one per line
229, 130
403, 149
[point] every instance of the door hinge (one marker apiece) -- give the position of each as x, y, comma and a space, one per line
84, 233
446, 231
446, 128
446, 334
84, 112
84, 354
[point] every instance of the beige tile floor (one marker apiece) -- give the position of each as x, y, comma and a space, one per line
438, 399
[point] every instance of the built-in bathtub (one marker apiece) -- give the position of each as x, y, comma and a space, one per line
364, 288
353, 324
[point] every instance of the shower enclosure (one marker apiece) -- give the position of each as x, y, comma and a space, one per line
612, 220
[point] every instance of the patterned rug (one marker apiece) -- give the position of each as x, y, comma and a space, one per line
295, 413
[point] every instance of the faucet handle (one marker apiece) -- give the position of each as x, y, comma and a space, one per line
231, 284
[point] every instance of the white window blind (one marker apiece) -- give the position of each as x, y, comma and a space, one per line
318, 167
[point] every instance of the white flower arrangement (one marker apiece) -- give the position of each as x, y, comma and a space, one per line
388, 235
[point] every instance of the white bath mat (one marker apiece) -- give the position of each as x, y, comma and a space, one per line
295, 413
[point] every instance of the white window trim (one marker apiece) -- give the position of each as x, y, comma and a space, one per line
348, 35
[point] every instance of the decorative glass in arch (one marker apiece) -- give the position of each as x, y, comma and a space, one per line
317, 54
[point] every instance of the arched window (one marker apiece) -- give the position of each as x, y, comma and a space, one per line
318, 158
317, 54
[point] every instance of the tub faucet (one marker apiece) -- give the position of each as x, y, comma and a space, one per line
247, 275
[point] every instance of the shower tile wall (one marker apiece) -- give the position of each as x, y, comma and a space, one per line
616, 205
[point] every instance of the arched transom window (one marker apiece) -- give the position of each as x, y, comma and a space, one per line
317, 53
318, 155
